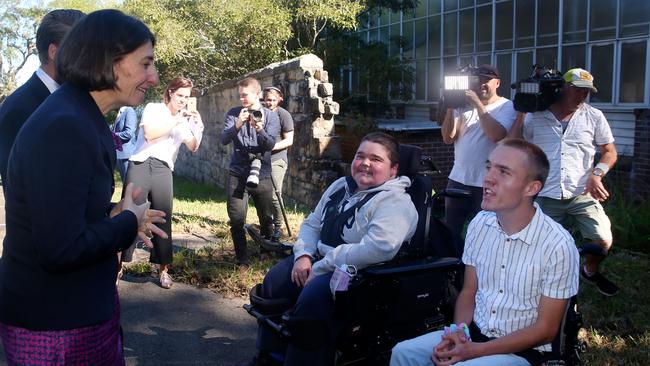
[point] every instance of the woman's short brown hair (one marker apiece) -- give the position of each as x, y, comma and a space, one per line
175, 84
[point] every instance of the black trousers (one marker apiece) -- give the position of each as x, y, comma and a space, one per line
154, 177
238, 194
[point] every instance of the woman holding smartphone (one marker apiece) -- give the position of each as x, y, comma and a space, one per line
166, 126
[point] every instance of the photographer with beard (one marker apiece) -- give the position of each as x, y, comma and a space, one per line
253, 137
474, 131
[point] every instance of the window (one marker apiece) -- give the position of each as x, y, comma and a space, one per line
450, 65
602, 61
466, 29
572, 57
524, 64
407, 38
503, 25
434, 6
602, 19
466, 3
575, 21
451, 5
420, 79
421, 9
373, 36
548, 12
525, 23
384, 16
635, 18
394, 40
384, 36
483, 59
504, 63
434, 80
421, 38
632, 81
372, 18
466, 60
547, 57
484, 28
450, 33
434, 36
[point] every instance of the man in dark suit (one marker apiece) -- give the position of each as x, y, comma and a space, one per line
23, 101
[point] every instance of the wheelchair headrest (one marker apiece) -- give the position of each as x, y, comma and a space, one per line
409, 159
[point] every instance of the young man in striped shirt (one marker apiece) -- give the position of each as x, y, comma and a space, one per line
521, 269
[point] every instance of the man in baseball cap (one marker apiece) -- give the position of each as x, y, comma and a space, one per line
574, 187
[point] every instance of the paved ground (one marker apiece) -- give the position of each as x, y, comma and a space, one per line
181, 326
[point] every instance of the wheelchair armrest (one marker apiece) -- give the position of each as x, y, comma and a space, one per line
416, 266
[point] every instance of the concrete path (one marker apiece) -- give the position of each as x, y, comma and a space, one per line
181, 326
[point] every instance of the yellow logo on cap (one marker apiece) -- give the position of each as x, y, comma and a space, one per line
586, 76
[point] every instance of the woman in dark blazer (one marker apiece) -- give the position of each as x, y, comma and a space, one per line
58, 300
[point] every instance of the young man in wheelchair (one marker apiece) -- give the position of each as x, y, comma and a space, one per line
360, 220
521, 270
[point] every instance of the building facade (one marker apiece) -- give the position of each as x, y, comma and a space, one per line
607, 37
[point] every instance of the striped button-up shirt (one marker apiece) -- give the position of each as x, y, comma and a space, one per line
514, 271
571, 154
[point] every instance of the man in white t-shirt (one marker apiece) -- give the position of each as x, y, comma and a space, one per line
474, 131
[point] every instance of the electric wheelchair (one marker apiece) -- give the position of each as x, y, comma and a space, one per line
411, 295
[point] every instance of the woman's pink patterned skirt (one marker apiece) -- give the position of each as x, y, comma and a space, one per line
94, 345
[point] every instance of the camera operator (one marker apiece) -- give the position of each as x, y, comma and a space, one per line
252, 135
474, 131
570, 131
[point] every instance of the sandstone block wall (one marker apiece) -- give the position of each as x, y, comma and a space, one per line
314, 158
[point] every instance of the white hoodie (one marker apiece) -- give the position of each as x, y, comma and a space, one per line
380, 227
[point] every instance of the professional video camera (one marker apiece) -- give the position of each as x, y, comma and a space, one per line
539, 91
254, 176
455, 85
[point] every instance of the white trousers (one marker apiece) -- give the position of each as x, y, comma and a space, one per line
418, 351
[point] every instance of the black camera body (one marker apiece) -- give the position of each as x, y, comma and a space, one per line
539, 91
455, 85
256, 115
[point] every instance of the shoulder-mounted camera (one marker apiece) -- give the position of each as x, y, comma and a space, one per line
539, 91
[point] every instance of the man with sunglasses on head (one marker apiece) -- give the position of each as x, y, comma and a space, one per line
571, 132
474, 131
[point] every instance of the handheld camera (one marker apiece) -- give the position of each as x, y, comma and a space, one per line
455, 85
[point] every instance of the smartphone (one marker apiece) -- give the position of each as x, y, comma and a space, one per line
191, 104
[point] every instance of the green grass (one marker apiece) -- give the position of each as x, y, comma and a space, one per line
616, 329
201, 210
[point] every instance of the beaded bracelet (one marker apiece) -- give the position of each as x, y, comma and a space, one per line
453, 328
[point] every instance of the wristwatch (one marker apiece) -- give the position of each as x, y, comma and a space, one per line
598, 172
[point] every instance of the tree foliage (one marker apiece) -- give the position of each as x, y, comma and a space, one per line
18, 26
311, 17
87, 6
211, 41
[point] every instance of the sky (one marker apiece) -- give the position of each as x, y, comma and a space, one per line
26, 72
